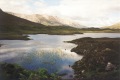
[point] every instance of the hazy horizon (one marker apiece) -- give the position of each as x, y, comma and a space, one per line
90, 13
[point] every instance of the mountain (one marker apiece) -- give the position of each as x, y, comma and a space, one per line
114, 26
49, 20
11, 23
16, 25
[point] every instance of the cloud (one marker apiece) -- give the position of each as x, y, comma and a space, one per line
21, 6
87, 12
98, 12
86, 7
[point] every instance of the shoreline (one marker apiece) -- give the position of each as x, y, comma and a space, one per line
19, 35
97, 56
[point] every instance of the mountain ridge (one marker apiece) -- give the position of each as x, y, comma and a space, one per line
114, 26
13, 26
49, 20
10, 23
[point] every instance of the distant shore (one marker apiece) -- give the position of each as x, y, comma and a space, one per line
20, 36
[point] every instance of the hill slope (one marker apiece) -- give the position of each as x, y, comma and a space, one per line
9, 23
114, 26
13, 27
49, 20
12, 23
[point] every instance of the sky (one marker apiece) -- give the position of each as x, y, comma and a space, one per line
91, 13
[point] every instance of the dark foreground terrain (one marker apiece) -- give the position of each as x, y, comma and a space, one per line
101, 59
16, 72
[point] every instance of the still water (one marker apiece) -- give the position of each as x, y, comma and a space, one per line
46, 51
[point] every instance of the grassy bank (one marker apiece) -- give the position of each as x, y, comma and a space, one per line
101, 59
12, 36
16, 72
17, 34
97, 30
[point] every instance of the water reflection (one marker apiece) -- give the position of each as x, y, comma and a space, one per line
45, 51
51, 59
